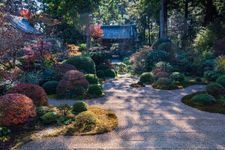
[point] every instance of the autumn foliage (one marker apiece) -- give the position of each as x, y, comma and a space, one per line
35, 92
15, 109
96, 31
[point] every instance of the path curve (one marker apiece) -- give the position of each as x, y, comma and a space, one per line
148, 119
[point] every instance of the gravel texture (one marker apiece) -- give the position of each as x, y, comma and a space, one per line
148, 119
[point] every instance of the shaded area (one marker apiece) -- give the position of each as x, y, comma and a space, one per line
214, 108
148, 118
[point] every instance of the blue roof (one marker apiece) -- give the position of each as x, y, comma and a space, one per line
115, 32
23, 25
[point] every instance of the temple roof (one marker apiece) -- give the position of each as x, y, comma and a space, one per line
119, 32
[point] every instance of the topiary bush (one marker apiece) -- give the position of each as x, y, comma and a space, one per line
92, 78
108, 73
85, 122
203, 99
99, 57
61, 69
146, 78
73, 85
95, 90
15, 109
49, 118
211, 75
79, 107
177, 76
164, 84
50, 87
215, 89
34, 92
83, 64
221, 80
47, 75
154, 57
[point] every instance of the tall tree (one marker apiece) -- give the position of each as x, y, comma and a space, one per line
163, 18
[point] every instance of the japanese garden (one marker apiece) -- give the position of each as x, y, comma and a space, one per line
112, 74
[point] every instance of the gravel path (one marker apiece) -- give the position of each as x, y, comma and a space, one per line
148, 119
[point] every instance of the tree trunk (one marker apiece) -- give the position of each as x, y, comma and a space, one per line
210, 12
185, 33
88, 34
163, 18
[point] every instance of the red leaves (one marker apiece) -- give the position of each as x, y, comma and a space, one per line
96, 31
35, 92
15, 109
25, 13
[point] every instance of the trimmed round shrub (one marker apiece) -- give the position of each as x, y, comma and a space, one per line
108, 73
15, 109
47, 75
49, 118
215, 89
73, 85
83, 64
79, 107
177, 76
95, 90
50, 87
92, 78
99, 57
34, 92
203, 99
85, 121
146, 78
211, 75
221, 80
156, 56
164, 84
61, 69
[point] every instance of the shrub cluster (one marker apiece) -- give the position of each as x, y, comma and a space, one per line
34, 92
164, 84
